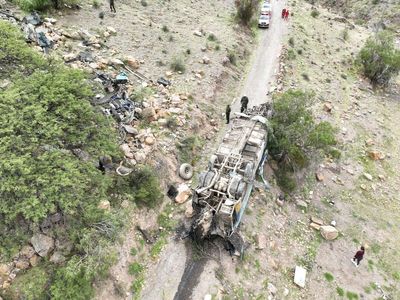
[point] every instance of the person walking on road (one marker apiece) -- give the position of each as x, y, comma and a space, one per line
283, 13
358, 256
244, 102
112, 6
228, 113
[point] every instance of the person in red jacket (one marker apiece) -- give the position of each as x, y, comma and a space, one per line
358, 256
287, 15
283, 13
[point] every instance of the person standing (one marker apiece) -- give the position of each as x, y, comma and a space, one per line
283, 13
244, 102
112, 6
287, 15
358, 256
228, 113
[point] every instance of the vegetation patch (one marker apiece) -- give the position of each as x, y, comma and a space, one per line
245, 10
178, 65
379, 59
188, 149
329, 277
295, 135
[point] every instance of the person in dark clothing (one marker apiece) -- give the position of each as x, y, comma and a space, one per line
228, 113
112, 7
358, 256
244, 102
283, 13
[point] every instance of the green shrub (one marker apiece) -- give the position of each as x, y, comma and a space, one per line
305, 76
217, 47
135, 268
379, 59
141, 186
164, 28
178, 65
340, 291
30, 285
351, 295
143, 2
212, 37
96, 4
172, 122
314, 13
142, 93
245, 10
345, 34
300, 51
291, 54
188, 149
232, 57
295, 135
329, 277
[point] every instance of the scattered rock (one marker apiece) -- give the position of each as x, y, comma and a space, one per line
300, 276
115, 62
208, 297
261, 241
131, 130
184, 193
315, 226
127, 150
69, 57
369, 142
104, 204
197, 33
111, 30
149, 140
34, 260
57, 258
328, 107
189, 212
125, 204
148, 113
329, 232
376, 155
206, 60
319, 176
302, 204
22, 264
42, 244
27, 251
271, 288
133, 63
285, 292
381, 177
140, 156
317, 220
368, 176
5, 270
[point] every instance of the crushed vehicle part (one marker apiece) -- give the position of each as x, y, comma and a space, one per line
224, 188
163, 81
186, 171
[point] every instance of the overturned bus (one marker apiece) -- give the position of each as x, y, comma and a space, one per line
224, 189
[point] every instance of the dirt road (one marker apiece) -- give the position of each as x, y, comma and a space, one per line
177, 276
265, 60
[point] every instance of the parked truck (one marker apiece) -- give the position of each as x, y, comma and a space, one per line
224, 188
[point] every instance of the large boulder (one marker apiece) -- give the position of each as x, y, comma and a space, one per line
42, 244
329, 232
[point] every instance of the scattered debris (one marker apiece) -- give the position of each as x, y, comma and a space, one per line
184, 193
147, 237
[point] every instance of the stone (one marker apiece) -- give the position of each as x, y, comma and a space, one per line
133, 63
317, 220
225, 60
184, 193
329, 232
189, 212
27, 251
125, 204
64, 245
328, 107
319, 176
368, 176
106, 34
285, 292
127, 150
273, 264
302, 204
104, 205
206, 60
315, 226
261, 242
271, 288
5, 270
375, 155
69, 57
369, 142
149, 140
34, 260
381, 177
57, 258
140, 156
115, 62
42, 244
111, 30
300, 276
131, 130
162, 122
148, 113
208, 297
197, 33
22, 264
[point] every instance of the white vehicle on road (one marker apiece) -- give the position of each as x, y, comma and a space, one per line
263, 21
266, 9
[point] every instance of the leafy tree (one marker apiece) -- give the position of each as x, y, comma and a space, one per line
379, 59
295, 135
245, 10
